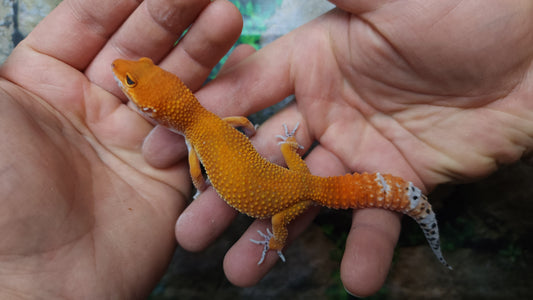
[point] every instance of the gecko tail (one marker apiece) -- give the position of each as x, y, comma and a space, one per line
379, 191
425, 217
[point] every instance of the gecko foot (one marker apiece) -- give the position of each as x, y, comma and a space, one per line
206, 184
197, 194
289, 134
265, 243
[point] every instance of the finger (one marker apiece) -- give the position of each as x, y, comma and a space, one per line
151, 30
239, 53
370, 247
203, 221
163, 148
76, 30
261, 80
241, 261
211, 36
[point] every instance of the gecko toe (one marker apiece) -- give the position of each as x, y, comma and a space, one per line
265, 242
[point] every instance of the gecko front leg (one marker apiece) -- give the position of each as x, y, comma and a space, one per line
196, 171
241, 122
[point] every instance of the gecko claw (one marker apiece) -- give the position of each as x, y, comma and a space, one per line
288, 134
265, 243
281, 256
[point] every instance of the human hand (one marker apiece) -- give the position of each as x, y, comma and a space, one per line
430, 91
83, 215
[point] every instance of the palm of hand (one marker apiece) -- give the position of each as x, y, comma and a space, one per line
412, 99
80, 185
83, 213
433, 97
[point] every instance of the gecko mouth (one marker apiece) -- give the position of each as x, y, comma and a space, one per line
146, 112
118, 82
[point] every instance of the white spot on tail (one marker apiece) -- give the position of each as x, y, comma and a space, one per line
385, 188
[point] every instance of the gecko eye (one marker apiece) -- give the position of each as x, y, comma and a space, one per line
129, 81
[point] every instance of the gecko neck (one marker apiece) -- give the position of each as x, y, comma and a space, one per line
181, 115
203, 124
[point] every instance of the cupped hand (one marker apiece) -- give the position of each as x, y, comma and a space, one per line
431, 91
83, 215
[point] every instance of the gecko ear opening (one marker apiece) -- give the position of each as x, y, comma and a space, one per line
130, 81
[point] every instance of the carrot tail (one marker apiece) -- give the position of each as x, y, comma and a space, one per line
381, 191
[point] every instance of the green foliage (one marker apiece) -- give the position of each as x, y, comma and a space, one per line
512, 252
249, 9
255, 13
250, 39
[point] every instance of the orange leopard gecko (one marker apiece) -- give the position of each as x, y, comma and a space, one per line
248, 182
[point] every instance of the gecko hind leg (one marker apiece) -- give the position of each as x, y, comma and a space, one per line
265, 242
276, 239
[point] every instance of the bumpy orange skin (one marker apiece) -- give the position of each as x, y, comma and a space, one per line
340, 192
248, 182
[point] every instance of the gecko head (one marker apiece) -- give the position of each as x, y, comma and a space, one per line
135, 79
156, 93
